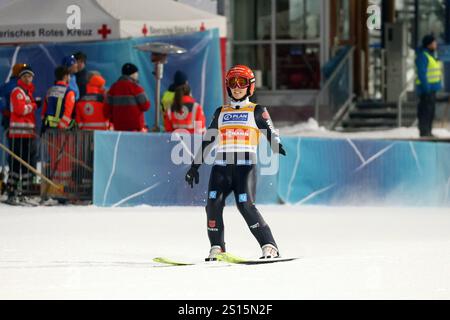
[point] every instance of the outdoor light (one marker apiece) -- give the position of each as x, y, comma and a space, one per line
159, 52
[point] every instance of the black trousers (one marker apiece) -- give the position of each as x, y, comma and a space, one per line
25, 148
425, 113
241, 179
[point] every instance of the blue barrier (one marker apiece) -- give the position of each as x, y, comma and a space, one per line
133, 169
365, 172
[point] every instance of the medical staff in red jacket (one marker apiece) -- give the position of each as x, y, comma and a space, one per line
185, 113
22, 128
127, 101
91, 111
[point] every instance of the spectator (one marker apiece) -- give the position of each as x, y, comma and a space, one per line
22, 134
91, 111
82, 74
59, 102
185, 112
71, 64
5, 92
168, 96
429, 76
57, 114
127, 101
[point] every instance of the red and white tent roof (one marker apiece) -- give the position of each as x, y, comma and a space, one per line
46, 20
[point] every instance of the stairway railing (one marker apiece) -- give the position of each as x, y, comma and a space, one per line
336, 101
400, 100
342, 112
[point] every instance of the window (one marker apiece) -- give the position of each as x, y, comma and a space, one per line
298, 66
280, 40
252, 19
297, 19
431, 19
257, 57
344, 20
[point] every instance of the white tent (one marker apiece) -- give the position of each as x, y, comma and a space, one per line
23, 21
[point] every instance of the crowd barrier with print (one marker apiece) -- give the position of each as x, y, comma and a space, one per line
137, 169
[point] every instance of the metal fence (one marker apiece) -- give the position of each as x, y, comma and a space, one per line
65, 157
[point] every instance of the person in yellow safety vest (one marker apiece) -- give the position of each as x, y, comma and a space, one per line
59, 102
428, 82
57, 114
168, 96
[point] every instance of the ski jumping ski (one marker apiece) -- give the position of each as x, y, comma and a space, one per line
228, 257
222, 257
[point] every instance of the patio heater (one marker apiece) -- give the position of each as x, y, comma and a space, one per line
159, 52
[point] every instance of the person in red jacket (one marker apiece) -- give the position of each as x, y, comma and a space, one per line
22, 128
91, 111
127, 101
185, 113
5, 93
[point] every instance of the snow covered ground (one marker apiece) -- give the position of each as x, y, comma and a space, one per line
103, 253
312, 129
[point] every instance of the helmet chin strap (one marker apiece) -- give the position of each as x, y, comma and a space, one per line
239, 103
247, 95
239, 100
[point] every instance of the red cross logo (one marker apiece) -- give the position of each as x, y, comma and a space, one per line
104, 31
144, 30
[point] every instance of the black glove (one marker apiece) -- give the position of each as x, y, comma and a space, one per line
192, 175
38, 101
282, 151
279, 150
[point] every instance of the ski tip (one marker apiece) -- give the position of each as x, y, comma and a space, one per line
166, 261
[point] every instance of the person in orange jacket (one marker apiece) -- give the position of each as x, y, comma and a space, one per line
91, 111
5, 93
57, 113
185, 113
22, 128
59, 102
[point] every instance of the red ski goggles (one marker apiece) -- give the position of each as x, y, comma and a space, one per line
238, 82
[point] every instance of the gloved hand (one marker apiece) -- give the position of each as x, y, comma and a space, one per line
279, 150
73, 125
282, 151
38, 101
191, 176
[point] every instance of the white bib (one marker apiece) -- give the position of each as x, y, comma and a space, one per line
238, 131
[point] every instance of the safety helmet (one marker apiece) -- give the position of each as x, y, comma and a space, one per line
17, 68
242, 77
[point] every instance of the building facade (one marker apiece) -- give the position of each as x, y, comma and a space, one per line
284, 41
289, 43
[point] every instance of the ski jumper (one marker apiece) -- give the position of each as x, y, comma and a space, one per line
239, 126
